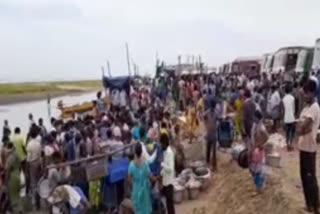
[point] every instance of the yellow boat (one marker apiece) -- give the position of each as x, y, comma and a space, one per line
69, 111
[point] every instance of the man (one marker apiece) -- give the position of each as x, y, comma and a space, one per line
208, 98
251, 85
168, 173
116, 143
52, 124
6, 129
43, 130
288, 106
274, 106
249, 108
299, 99
31, 120
260, 100
100, 103
307, 130
211, 126
34, 164
20, 149
57, 176
212, 87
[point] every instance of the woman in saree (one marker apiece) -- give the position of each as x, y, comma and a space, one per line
192, 122
140, 175
239, 115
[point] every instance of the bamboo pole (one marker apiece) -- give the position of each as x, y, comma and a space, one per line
109, 69
102, 70
128, 59
95, 157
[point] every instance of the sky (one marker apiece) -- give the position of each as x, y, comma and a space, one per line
43, 40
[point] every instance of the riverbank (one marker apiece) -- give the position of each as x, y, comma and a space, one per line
12, 93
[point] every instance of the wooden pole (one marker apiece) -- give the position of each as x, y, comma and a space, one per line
135, 69
108, 66
128, 59
157, 59
102, 70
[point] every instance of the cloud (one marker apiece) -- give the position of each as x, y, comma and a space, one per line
71, 39
39, 10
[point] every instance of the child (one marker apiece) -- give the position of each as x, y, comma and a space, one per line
257, 153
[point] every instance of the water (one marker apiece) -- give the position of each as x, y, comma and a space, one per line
17, 114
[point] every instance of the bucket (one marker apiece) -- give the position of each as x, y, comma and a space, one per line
194, 193
185, 194
178, 196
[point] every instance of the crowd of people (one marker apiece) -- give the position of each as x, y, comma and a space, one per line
146, 119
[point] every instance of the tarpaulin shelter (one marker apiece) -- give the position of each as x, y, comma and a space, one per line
117, 83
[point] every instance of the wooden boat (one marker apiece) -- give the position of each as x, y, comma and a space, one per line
69, 111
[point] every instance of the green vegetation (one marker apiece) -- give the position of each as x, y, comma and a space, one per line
40, 87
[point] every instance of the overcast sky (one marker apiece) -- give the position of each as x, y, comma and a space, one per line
71, 39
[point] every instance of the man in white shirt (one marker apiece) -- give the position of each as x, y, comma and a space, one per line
168, 173
273, 107
34, 163
307, 129
288, 106
251, 85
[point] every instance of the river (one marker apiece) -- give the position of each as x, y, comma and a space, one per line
17, 114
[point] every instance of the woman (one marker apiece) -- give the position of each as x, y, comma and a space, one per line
192, 122
238, 116
140, 174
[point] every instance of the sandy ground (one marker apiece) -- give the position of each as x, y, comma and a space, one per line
233, 191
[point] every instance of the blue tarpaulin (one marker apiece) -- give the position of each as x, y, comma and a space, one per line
117, 83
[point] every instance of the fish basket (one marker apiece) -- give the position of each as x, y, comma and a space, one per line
205, 180
194, 193
178, 195
273, 160
97, 169
269, 148
185, 194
